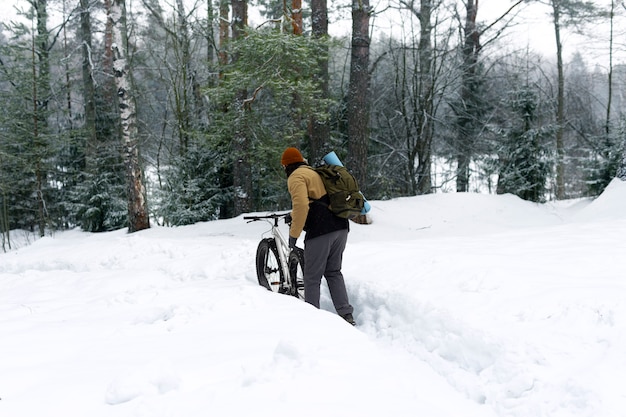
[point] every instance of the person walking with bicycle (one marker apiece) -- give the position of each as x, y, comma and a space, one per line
326, 234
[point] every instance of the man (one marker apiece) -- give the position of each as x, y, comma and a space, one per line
326, 234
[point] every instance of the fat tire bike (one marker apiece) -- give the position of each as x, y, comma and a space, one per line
278, 267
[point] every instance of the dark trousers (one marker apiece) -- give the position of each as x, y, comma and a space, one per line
323, 256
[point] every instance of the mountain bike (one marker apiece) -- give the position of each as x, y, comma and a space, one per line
279, 268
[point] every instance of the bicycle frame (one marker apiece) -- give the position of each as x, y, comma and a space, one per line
283, 250
283, 253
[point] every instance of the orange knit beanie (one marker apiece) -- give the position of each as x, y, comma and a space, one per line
291, 156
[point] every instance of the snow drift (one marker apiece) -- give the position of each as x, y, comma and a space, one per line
467, 304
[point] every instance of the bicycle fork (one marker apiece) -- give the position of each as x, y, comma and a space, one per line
283, 254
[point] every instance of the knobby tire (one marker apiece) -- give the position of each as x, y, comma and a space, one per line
268, 267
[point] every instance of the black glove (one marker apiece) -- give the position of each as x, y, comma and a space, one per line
292, 242
288, 218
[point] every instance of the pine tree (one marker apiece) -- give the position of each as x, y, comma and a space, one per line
358, 101
287, 67
29, 141
523, 163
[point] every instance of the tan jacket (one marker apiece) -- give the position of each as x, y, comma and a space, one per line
303, 184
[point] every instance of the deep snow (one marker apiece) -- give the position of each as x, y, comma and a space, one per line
467, 304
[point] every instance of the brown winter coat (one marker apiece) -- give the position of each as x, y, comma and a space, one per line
306, 186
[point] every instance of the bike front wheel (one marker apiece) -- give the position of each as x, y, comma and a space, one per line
268, 266
296, 272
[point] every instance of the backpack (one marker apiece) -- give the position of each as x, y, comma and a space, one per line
346, 200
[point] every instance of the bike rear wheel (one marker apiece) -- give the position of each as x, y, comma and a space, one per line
268, 266
296, 272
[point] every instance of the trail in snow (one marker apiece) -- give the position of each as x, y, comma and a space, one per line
467, 305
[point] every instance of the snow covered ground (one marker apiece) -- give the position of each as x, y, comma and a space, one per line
468, 306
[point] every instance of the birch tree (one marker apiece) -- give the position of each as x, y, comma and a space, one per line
138, 218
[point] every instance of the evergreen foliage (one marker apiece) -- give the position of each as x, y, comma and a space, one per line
98, 199
523, 163
58, 171
276, 70
604, 162
191, 190
276, 10
27, 141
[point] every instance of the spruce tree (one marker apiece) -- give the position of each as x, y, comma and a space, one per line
523, 154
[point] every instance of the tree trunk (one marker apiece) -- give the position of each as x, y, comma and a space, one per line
296, 17
41, 97
222, 56
184, 90
138, 218
319, 129
89, 95
240, 17
210, 38
465, 134
68, 88
426, 100
242, 178
560, 104
358, 92
607, 123
621, 170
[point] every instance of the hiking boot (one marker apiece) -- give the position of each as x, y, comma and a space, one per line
348, 317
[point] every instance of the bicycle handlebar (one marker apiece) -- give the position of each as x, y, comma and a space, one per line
267, 217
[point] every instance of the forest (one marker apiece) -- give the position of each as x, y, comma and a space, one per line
126, 113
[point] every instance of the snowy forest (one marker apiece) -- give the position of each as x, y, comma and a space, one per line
119, 113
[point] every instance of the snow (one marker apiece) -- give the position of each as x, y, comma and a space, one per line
467, 305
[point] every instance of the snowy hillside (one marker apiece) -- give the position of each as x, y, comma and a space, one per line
467, 305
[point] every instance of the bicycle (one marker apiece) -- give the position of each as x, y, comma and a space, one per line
279, 268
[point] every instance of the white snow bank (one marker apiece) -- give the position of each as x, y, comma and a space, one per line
467, 304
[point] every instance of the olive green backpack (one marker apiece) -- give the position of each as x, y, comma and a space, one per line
346, 201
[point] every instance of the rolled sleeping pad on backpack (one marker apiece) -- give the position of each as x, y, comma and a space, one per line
331, 158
